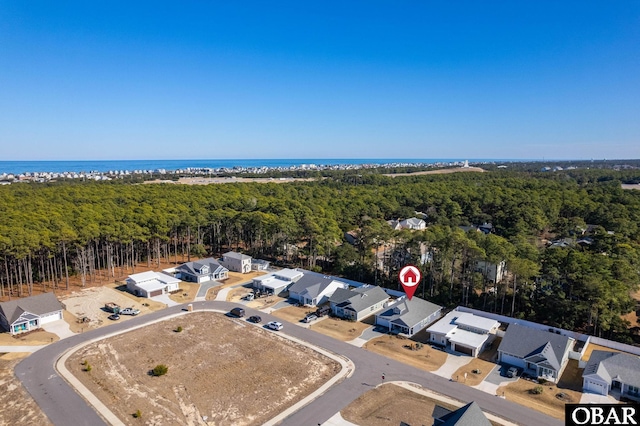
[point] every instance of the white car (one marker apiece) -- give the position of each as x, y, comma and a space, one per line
130, 311
275, 325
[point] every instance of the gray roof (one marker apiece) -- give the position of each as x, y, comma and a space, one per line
469, 415
359, 299
623, 367
38, 305
313, 283
192, 267
411, 311
538, 346
236, 255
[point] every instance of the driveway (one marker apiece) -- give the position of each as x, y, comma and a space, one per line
495, 379
164, 298
60, 328
367, 334
452, 364
204, 288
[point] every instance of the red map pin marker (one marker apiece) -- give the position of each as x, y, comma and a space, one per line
409, 277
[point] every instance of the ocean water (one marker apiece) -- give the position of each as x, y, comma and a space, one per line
17, 167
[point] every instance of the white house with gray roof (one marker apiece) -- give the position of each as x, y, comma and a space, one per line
314, 289
30, 313
612, 371
464, 332
276, 282
150, 284
202, 270
539, 353
408, 317
236, 262
358, 303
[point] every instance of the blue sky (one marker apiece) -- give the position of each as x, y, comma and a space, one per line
371, 79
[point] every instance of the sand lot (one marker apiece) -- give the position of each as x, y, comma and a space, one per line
389, 405
16, 405
90, 303
398, 348
225, 369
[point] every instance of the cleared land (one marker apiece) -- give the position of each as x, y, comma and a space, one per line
389, 405
186, 294
426, 358
338, 328
225, 369
34, 338
16, 405
293, 314
476, 372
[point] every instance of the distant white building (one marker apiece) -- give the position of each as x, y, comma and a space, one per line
236, 262
412, 223
492, 272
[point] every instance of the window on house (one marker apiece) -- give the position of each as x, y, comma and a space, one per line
633, 390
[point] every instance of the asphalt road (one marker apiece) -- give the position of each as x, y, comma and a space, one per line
64, 406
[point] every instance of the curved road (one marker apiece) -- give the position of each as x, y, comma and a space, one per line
64, 406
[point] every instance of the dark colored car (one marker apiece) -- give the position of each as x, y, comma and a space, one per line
237, 312
254, 319
114, 317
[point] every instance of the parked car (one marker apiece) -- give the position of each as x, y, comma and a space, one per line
275, 325
237, 312
130, 311
323, 310
249, 297
114, 317
254, 319
310, 317
512, 372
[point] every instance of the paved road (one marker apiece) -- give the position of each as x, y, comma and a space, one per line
64, 406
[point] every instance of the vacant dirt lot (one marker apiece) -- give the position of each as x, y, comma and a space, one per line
34, 338
90, 303
397, 348
389, 405
293, 314
227, 370
339, 329
16, 405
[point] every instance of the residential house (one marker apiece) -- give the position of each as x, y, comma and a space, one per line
29, 313
408, 316
464, 332
314, 289
469, 415
539, 353
358, 303
150, 284
260, 264
276, 282
412, 223
236, 262
202, 270
612, 371
485, 228
492, 272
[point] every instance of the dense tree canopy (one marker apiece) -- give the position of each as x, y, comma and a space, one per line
51, 231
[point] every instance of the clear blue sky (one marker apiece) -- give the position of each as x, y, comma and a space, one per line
348, 79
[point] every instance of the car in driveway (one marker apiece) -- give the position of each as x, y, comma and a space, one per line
130, 311
310, 317
511, 372
114, 317
254, 319
274, 325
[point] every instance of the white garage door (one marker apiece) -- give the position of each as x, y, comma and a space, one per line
54, 316
594, 387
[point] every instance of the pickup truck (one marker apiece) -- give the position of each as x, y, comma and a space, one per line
130, 311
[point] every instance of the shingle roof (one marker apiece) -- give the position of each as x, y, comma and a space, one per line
412, 311
38, 305
609, 365
469, 415
533, 344
191, 267
236, 255
312, 284
365, 297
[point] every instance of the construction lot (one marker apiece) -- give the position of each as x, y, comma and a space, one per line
405, 350
220, 371
90, 303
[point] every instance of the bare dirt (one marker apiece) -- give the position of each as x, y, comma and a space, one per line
90, 303
339, 329
397, 348
16, 405
389, 405
476, 372
293, 314
34, 338
187, 293
227, 370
